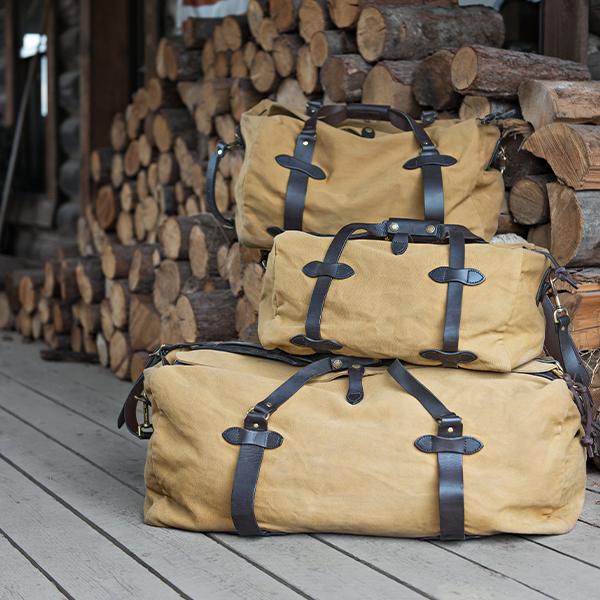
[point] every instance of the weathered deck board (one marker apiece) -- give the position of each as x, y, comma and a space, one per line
20, 578
58, 427
73, 553
415, 562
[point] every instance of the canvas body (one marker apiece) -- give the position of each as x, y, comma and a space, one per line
392, 308
355, 468
365, 180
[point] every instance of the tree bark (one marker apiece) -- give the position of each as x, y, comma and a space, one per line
413, 32
327, 43
90, 279
391, 83
343, 77
144, 323
116, 260
432, 85
285, 49
141, 272
196, 31
497, 73
119, 350
207, 316
575, 220
528, 200
168, 124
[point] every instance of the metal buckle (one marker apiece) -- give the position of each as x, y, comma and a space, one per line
146, 426
560, 309
265, 416
158, 352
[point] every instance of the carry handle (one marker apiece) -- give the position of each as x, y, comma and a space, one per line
211, 174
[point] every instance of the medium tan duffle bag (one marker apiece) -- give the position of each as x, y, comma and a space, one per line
358, 163
473, 305
280, 443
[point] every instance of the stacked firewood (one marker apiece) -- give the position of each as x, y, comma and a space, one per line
156, 268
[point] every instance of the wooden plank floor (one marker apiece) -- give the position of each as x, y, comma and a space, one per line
71, 493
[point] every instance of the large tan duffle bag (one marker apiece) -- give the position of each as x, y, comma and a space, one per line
474, 305
355, 446
359, 163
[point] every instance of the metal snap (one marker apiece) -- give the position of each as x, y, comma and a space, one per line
430, 228
337, 364
450, 429
394, 226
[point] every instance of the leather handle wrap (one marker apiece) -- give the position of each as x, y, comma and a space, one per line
211, 174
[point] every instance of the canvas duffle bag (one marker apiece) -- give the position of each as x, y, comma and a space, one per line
260, 442
345, 164
447, 299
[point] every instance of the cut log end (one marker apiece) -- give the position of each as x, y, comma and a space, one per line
464, 68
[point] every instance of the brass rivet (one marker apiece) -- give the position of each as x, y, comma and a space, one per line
450, 429
337, 364
305, 143
430, 228
268, 404
255, 425
394, 227
356, 366
219, 151
368, 130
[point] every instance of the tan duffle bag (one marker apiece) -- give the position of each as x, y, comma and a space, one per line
345, 164
473, 305
280, 443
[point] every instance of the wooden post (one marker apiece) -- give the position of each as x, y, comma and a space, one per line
565, 29
104, 80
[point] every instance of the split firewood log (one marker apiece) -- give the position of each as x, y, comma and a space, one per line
263, 73
116, 260
545, 102
431, 82
528, 200
100, 164
141, 272
497, 73
307, 73
256, 12
207, 316
391, 83
285, 14
343, 77
90, 279
176, 62
144, 323
163, 93
118, 133
138, 362
573, 152
397, 32
575, 221
196, 31
119, 350
170, 123
30, 289
235, 31
313, 16
170, 276
327, 43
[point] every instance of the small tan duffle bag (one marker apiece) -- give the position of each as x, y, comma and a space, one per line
258, 444
345, 164
473, 305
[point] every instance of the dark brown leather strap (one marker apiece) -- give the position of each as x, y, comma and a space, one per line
211, 174
251, 454
456, 276
392, 228
450, 447
430, 161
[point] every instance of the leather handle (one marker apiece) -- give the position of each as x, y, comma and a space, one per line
211, 174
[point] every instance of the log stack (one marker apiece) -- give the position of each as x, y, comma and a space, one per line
155, 267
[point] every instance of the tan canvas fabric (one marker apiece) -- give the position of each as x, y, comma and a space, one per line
365, 179
391, 308
355, 469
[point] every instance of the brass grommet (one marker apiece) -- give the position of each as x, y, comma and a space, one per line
394, 226
337, 364
430, 228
